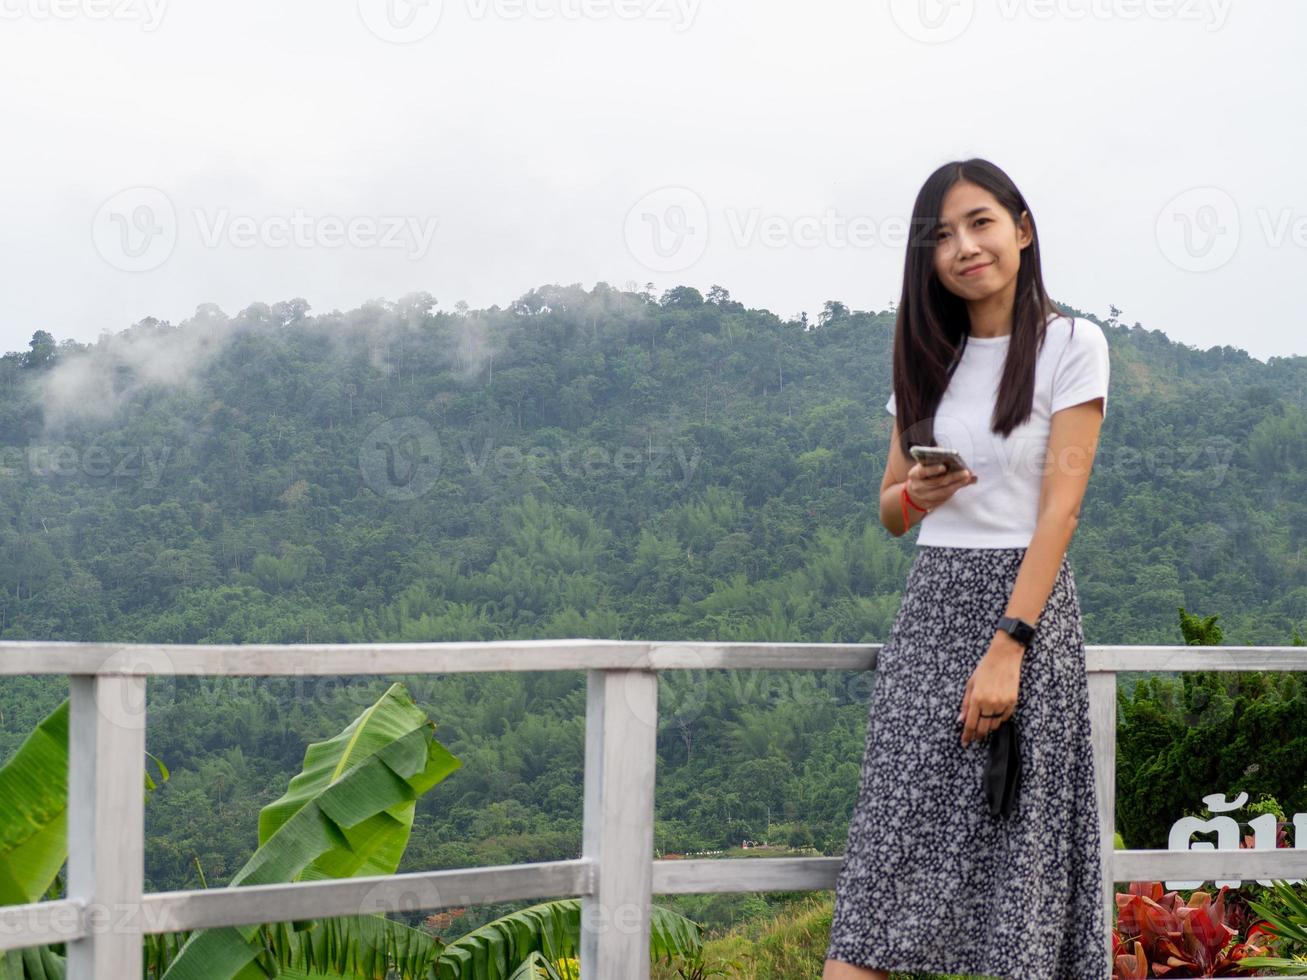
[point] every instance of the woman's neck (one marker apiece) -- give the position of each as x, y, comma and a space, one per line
992, 316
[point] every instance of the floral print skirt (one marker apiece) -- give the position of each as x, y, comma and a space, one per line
931, 882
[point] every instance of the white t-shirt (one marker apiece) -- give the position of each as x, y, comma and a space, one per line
999, 509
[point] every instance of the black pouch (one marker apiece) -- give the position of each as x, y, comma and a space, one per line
1003, 768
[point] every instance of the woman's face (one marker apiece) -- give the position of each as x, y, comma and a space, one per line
975, 230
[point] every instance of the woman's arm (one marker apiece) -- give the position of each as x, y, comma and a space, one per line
1072, 443
891, 485
938, 486
995, 683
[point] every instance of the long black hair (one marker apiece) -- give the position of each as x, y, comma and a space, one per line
932, 326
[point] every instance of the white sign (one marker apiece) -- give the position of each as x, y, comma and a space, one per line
1229, 836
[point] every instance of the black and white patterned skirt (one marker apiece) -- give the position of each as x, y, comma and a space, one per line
930, 881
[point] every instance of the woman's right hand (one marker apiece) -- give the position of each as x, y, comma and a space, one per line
929, 485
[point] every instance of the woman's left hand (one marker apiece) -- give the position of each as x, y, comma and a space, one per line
992, 688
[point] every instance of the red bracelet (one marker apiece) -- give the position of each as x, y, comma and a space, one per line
906, 499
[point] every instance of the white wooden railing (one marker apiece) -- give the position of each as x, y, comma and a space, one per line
106, 910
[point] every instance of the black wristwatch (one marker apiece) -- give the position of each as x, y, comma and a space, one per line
1021, 631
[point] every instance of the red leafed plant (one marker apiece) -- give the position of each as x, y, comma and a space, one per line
1166, 936
1281, 836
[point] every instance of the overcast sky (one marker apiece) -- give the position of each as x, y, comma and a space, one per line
161, 155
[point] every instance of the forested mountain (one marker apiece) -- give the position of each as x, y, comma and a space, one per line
580, 464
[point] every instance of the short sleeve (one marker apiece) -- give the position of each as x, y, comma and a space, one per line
889, 405
1082, 371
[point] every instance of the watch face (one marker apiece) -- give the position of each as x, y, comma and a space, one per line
1022, 632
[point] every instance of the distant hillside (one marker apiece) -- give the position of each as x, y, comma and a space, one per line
581, 463
227, 478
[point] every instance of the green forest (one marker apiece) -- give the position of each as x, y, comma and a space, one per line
611, 464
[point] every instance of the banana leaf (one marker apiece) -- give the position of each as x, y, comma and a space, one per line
374, 846
366, 946
34, 963
34, 818
348, 813
536, 967
497, 950
308, 829
34, 834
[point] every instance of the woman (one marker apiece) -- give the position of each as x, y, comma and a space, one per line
983, 363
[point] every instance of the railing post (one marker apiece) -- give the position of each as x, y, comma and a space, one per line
106, 824
1102, 723
621, 722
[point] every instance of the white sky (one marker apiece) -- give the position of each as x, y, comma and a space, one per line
148, 143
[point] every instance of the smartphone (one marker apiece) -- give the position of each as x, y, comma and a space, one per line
933, 455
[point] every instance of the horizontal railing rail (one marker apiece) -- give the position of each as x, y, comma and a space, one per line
329, 659
107, 911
